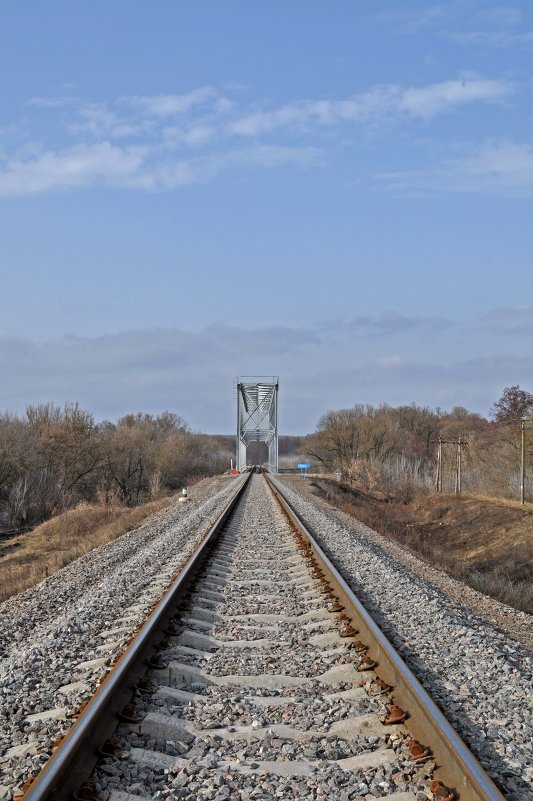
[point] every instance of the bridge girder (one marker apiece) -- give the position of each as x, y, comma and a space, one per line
257, 417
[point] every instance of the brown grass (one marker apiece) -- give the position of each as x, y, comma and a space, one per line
486, 543
28, 558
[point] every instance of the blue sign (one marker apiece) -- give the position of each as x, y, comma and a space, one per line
303, 468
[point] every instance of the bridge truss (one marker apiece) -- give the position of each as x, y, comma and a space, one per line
257, 417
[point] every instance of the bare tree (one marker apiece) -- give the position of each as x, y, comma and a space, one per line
514, 405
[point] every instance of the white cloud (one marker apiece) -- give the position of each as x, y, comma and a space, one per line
427, 101
171, 105
165, 175
406, 20
101, 122
504, 168
52, 102
494, 26
322, 112
179, 139
489, 26
380, 101
78, 166
134, 167
194, 136
495, 38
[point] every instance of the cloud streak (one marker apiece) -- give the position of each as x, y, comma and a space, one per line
503, 168
171, 105
498, 38
510, 320
164, 141
75, 167
386, 324
137, 167
409, 21
384, 101
495, 26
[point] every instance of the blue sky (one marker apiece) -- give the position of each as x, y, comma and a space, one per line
195, 190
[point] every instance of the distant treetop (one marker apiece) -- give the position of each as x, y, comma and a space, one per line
514, 406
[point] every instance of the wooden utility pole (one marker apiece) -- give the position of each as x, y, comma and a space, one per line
439, 465
440, 462
460, 443
522, 463
458, 467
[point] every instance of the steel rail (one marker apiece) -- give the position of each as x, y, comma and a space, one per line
72, 763
457, 767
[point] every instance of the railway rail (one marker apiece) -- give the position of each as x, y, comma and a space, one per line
259, 674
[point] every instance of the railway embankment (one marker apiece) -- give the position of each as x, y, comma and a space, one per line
28, 557
484, 542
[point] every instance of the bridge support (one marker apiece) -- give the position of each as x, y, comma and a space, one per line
257, 417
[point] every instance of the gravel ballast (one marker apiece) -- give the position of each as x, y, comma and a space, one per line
58, 639
478, 674
258, 695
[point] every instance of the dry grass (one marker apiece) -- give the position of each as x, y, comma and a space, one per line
27, 559
511, 503
485, 543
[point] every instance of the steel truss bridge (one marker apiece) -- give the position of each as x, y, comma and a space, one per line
257, 417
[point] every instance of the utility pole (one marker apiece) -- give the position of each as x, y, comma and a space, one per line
458, 468
460, 443
522, 463
439, 465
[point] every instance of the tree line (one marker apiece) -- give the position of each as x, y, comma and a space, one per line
53, 458
394, 449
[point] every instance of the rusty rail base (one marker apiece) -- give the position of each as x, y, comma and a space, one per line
456, 767
73, 762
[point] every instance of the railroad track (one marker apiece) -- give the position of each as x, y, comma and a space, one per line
259, 675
